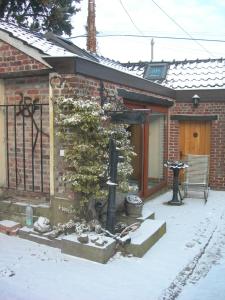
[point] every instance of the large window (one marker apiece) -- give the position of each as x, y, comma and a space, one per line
150, 144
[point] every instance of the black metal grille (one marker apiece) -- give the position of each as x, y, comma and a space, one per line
27, 155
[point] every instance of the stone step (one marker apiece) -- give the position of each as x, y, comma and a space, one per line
145, 237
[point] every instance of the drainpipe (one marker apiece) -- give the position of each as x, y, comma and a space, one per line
112, 183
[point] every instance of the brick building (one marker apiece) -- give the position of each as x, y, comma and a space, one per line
195, 128
36, 68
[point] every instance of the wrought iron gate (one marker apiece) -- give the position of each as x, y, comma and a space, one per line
27, 146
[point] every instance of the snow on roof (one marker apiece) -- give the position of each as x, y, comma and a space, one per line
52, 48
115, 65
188, 74
36, 40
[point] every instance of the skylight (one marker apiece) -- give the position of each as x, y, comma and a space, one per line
156, 71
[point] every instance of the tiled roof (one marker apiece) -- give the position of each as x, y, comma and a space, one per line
188, 74
115, 65
36, 40
51, 45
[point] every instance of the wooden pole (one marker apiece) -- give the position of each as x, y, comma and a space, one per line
91, 28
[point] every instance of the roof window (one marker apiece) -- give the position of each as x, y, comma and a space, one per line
156, 71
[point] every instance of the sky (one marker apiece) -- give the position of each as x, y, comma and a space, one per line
191, 19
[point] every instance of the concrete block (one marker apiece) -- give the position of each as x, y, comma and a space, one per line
9, 227
90, 251
31, 235
145, 237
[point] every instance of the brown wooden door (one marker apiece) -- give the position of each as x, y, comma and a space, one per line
195, 138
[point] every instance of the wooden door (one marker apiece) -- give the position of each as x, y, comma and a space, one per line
195, 138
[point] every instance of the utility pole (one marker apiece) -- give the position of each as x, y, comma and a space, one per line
152, 49
91, 28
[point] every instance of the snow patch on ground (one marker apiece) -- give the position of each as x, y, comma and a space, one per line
38, 272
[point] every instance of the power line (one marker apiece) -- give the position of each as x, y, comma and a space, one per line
132, 21
175, 22
152, 36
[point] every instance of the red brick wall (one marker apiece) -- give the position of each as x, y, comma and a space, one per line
13, 60
69, 84
217, 154
20, 146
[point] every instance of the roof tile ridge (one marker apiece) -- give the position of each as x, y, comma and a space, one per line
197, 80
195, 73
198, 86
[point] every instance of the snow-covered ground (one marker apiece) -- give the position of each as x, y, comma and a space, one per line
192, 248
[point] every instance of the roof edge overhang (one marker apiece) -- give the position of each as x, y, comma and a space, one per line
142, 98
86, 67
96, 70
21, 46
206, 95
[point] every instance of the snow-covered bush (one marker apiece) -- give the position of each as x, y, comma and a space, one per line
84, 130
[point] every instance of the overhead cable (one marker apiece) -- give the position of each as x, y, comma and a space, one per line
185, 31
132, 21
152, 36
